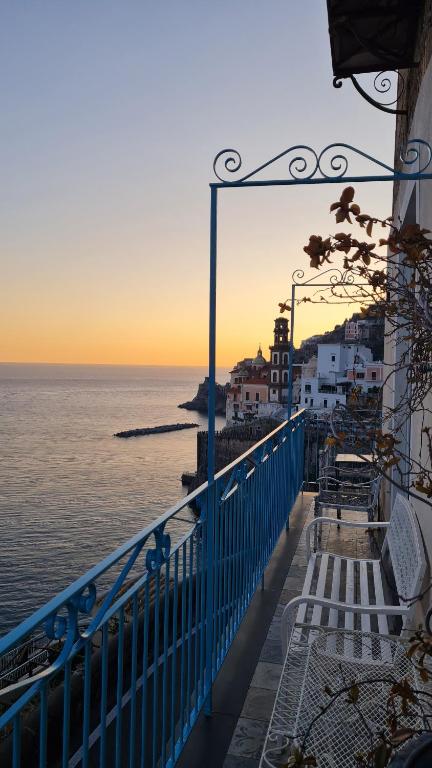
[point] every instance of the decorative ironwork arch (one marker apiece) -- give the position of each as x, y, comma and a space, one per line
306, 165
303, 165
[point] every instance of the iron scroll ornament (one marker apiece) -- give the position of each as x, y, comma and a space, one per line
334, 277
382, 84
64, 624
332, 163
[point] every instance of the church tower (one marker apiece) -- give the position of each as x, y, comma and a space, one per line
279, 357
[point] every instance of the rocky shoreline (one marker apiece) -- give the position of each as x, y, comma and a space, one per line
154, 430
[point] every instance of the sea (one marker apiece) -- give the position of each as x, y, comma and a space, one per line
70, 492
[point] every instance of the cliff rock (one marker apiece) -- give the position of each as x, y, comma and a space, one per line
200, 401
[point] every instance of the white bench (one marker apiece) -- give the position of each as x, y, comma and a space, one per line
323, 648
345, 586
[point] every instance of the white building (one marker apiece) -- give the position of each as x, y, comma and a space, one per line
327, 379
356, 330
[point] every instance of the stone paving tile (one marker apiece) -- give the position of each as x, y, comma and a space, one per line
258, 704
274, 629
286, 595
234, 761
296, 571
295, 583
272, 651
267, 675
248, 738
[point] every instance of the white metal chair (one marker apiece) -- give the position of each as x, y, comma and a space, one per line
334, 736
340, 494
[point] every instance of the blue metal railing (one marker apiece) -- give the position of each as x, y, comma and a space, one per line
122, 678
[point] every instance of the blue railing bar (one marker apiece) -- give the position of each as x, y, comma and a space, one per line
174, 656
118, 731
183, 635
325, 180
189, 632
203, 531
66, 713
133, 684
104, 696
86, 701
165, 660
155, 673
145, 674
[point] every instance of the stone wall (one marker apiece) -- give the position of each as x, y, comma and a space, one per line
230, 443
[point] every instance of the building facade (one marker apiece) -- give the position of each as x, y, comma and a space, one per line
328, 379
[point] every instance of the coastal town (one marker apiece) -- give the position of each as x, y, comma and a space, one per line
259, 387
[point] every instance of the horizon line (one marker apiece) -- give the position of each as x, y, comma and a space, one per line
130, 365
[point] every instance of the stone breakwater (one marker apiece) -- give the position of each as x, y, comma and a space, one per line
154, 430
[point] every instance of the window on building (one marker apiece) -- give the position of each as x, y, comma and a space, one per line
285, 376
285, 359
337, 402
247, 395
236, 406
257, 396
273, 391
373, 375
333, 358
311, 402
325, 403
360, 375
306, 400
308, 388
280, 338
274, 377
275, 358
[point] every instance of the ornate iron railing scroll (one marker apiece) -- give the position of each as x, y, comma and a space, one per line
118, 675
384, 84
302, 165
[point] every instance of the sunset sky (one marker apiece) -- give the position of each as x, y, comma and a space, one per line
112, 113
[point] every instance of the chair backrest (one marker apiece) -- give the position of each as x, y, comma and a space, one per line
406, 549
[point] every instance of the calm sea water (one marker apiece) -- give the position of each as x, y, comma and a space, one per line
69, 491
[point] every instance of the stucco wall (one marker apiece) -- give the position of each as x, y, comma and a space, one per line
418, 125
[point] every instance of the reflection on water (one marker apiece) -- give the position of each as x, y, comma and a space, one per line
69, 491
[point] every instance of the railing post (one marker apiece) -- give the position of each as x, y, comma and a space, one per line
211, 494
289, 474
291, 356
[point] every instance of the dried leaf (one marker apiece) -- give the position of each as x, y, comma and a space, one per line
353, 694
347, 195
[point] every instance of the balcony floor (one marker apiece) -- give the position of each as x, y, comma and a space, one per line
246, 686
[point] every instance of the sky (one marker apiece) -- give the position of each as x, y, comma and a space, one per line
112, 113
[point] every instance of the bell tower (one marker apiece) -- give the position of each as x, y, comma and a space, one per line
279, 360
280, 331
